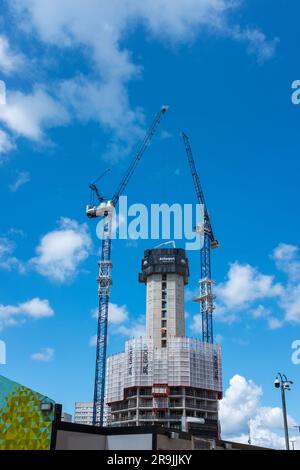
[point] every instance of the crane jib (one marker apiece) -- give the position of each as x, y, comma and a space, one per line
206, 297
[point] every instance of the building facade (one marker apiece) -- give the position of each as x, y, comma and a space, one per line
83, 413
66, 417
165, 377
26, 417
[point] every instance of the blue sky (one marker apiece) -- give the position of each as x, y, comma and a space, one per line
81, 87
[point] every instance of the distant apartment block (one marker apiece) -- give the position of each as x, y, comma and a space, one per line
66, 417
83, 413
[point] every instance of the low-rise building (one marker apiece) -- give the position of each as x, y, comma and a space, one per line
83, 412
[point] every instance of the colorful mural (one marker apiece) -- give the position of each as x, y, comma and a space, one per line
23, 425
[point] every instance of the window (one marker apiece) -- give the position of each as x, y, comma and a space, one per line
164, 285
163, 304
164, 323
163, 334
164, 343
164, 313
164, 277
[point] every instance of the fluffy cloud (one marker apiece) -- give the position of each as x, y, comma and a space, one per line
291, 303
11, 315
239, 404
135, 329
196, 325
23, 177
121, 324
45, 355
58, 255
287, 260
241, 409
257, 42
37, 308
6, 145
246, 284
98, 34
27, 115
108, 104
247, 290
177, 20
7, 260
10, 61
61, 251
116, 314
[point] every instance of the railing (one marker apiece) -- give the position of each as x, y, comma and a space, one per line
114, 419
122, 407
156, 417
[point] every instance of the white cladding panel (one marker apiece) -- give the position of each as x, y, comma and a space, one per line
184, 362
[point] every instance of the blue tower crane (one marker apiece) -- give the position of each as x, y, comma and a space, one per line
206, 298
105, 210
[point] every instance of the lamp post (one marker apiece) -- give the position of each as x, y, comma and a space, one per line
283, 383
249, 430
293, 444
297, 427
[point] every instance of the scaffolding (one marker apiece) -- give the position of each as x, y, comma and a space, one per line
185, 362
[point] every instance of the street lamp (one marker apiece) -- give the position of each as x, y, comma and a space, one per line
284, 384
297, 427
293, 444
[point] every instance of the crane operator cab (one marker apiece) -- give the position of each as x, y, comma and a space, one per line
99, 211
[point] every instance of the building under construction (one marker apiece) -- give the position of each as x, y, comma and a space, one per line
165, 378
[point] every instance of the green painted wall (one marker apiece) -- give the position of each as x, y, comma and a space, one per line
23, 426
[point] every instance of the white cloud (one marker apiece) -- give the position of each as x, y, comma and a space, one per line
45, 355
219, 339
135, 329
196, 325
106, 103
2, 92
22, 178
246, 288
7, 260
27, 115
241, 408
239, 404
93, 341
98, 34
12, 315
287, 260
257, 42
291, 303
246, 284
121, 323
37, 308
103, 26
61, 251
6, 145
262, 312
116, 314
274, 323
10, 61
164, 135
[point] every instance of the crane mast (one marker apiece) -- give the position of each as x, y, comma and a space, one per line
206, 298
105, 210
